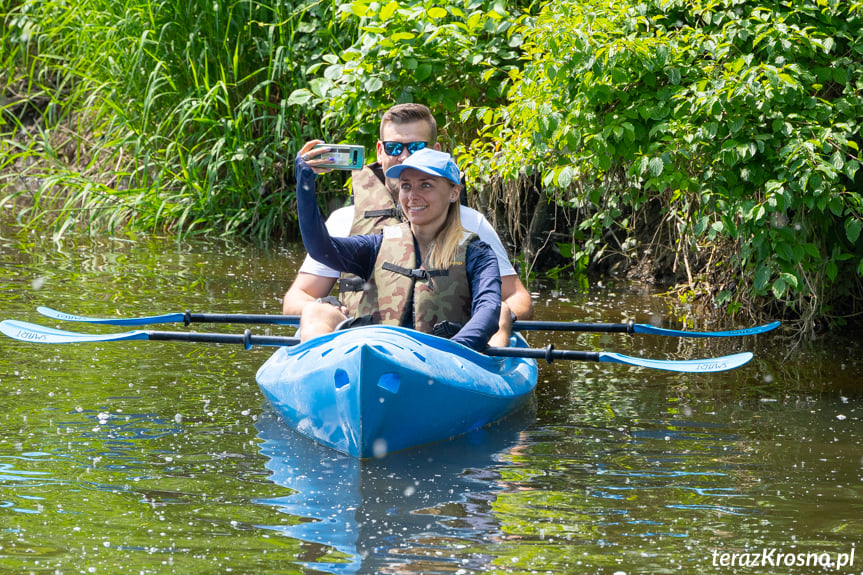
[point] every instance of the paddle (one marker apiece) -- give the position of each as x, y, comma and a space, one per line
185, 317
24, 331
188, 318
30, 332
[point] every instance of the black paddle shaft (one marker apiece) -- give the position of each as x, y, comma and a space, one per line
189, 317
573, 326
548, 353
246, 339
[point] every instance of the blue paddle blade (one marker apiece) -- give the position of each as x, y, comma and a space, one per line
709, 365
59, 315
31, 332
645, 328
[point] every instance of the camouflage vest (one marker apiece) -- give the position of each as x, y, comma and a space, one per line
438, 294
373, 209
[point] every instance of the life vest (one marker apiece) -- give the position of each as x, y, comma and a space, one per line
438, 294
374, 208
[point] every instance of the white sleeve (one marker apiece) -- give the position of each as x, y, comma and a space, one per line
339, 225
475, 222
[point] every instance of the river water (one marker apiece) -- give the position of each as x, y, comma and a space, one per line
156, 457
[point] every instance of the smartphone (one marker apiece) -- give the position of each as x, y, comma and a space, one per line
345, 156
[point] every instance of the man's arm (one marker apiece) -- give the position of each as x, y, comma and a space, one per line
305, 289
314, 279
516, 297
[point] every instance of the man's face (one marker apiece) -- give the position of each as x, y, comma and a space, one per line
404, 133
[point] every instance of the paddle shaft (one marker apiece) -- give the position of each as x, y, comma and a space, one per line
246, 339
189, 318
548, 353
572, 326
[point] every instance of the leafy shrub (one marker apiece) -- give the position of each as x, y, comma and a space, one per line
446, 55
741, 118
180, 111
184, 104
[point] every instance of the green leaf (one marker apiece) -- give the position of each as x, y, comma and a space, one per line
656, 167
716, 228
779, 288
300, 97
320, 86
564, 177
333, 72
565, 250
373, 84
399, 36
387, 11
762, 276
437, 12
424, 70
785, 251
852, 229
789, 279
360, 8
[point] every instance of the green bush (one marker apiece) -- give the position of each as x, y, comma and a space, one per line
178, 110
184, 116
741, 118
447, 55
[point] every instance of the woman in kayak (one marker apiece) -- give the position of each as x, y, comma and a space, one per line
428, 274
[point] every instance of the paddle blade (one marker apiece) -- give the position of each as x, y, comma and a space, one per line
59, 315
24, 331
649, 329
709, 365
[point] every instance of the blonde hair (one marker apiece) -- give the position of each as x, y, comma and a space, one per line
446, 242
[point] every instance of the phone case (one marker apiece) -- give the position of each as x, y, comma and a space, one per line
345, 156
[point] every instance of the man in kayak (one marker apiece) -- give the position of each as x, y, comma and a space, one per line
423, 274
404, 129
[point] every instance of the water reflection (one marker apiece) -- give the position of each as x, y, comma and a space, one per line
147, 455
375, 516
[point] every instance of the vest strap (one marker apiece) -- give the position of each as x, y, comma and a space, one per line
351, 284
390, 213
415, 273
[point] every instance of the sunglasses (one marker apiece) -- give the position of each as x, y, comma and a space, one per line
396, 148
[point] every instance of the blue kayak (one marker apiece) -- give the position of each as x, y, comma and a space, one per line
374, 390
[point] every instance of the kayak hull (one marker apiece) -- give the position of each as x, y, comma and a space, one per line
372, 390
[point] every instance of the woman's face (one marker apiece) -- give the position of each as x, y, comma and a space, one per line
425, 199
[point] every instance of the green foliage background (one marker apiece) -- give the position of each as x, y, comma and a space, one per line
720, 137
740, 120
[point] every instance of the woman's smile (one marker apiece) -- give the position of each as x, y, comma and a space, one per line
425, 199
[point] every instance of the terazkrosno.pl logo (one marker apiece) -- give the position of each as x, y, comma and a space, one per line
778, 558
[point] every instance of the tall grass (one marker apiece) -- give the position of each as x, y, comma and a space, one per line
163, 115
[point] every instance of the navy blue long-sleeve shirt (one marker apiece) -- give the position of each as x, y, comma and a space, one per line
357, 255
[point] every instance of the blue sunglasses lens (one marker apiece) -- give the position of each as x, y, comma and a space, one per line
396, 148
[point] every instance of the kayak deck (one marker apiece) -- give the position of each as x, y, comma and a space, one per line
372, 390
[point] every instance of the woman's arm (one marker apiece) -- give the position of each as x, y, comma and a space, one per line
484, 276
355, 254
